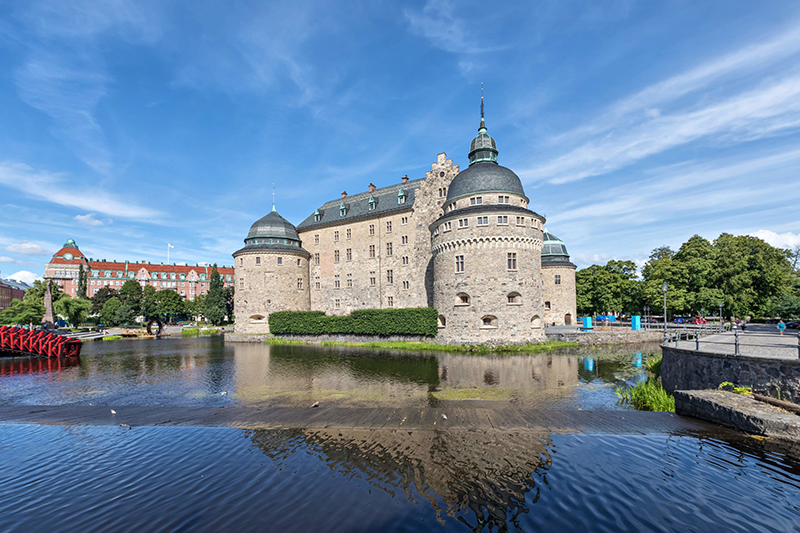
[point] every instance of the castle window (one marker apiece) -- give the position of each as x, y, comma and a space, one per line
335, 236
502, 199
337, 304
442, 321
336, 283
401, 196
447, 226
349, 280
404, 239
388, 226
336, 256
459, 263
536, 322
258, 260
342, 210
463, 222
316, 282
503, 220
520, 221
404, 221
489, 322
349, 234
317, 216
512, 260
371, 203
241, 262
547, 306
349, 254
388, 248
558, 279
440, 192
390, 276
483, 221
316, 259
389, 301
299, 263
316, 240
280, 260
372, 278
476, 200
514, 298
257, 319
462, 298
372, 250
300, 283
405, 285
405, 259
372, 229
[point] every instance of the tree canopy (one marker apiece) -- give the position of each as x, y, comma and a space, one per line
215, 299
100, 298
75, 310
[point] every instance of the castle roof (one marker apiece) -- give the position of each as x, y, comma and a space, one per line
69, 254
272, 232
396, 197
553, 249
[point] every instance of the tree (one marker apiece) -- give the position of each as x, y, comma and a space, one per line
75, 310
82, 285
108, 314
125, 314
101, 297
229, 296
36, 293
215, 299
149, 303
131, 296
197, 307
170, 304
22, 312
609, 288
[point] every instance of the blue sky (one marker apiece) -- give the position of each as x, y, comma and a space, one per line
127, 125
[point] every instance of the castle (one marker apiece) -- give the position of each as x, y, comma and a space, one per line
463, 242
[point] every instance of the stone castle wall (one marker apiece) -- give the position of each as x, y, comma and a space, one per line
264, 286
364, 281
561, 297
512, 299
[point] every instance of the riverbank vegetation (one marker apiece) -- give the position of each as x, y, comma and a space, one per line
433, 347
745, 273
648, 395
408, 321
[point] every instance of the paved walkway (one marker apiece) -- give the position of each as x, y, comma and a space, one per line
759, 340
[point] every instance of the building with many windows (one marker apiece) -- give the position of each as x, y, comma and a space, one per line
464, 242
187, 280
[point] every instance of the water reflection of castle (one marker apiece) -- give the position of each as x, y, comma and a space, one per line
264, 371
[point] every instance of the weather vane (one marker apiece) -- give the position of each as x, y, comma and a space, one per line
481, 99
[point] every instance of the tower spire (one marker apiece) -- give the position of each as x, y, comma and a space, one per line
483, 123
273, 197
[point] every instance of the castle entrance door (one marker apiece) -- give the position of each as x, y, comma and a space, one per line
568, 319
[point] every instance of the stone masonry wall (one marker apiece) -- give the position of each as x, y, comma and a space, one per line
487, 280
690, 370
266, 287
363, 280
561, 296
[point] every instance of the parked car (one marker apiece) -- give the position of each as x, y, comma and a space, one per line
793, 324
681, 320
699, 320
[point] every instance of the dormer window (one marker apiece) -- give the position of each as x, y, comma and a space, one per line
317, 216
401, 196
372, 203
342, 210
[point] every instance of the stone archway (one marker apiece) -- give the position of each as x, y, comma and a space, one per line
536, 322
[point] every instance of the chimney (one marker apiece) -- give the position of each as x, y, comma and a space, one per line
405, 178
372, 187
344, 195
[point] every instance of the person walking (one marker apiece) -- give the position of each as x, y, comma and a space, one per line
781, 327
744, 325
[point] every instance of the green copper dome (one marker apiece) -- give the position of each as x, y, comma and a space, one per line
554, 250
70, 244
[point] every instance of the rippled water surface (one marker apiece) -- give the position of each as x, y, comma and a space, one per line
212, 479
193, 372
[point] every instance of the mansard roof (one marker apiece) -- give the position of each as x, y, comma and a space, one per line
358, 205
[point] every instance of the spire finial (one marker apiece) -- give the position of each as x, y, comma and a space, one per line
481, 100
273, 197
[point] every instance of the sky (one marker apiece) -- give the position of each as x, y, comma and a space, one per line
130, 124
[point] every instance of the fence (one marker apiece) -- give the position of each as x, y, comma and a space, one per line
755, 342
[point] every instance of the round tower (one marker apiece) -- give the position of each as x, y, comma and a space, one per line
558, 274
487, 255
271, 273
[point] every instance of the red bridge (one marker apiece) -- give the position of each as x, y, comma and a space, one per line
19, 341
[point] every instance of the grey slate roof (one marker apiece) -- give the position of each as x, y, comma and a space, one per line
272, 225
357, 205
15, 284
484, 177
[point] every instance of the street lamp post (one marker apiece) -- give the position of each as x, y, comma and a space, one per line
664, 289
720, 317
646, 313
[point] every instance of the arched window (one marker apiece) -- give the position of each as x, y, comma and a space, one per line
462, 298
442, 321
489, 322
536, 322
514, 298
257, 319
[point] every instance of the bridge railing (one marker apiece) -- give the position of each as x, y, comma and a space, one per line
762, 342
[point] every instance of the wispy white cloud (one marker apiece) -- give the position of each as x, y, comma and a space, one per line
6, 259
55, 188
25, 276
89, 220
779, 240
26, 248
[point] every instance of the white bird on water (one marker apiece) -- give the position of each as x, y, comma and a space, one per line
113, 412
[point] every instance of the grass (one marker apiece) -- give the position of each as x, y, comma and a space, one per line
647, 395
433, 347
191, 332
477, 393
112, 337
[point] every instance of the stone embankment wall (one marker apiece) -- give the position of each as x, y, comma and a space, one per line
690, 370
330, 338
608, 337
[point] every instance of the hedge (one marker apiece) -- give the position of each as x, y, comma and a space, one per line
410, 321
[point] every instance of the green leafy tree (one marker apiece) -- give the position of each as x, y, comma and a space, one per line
125, 315
35, 294
75, 310
108, 314
170, 304
22, 312
149, 303
100, 298
82, 284
229, 294
196, 308
609, 288
215, 299
130, 294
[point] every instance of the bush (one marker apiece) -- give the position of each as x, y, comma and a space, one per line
647, 395
410, 321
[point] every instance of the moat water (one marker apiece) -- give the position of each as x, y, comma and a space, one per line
79, 478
